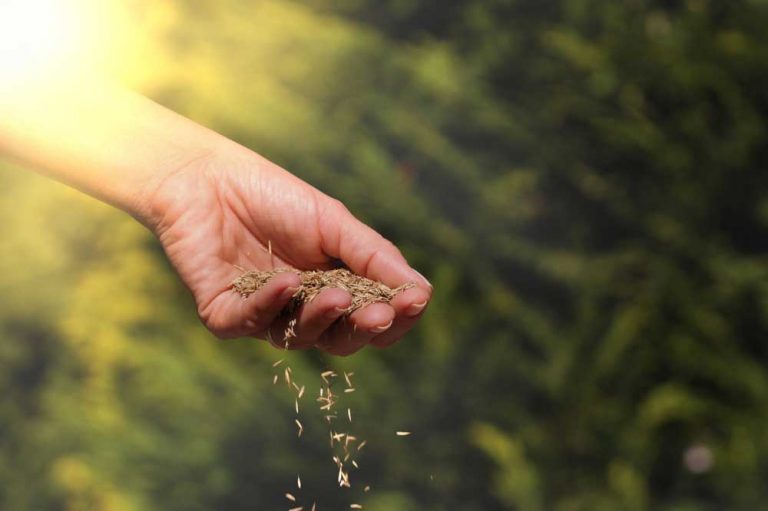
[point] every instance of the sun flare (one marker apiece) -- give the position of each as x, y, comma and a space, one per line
51, 35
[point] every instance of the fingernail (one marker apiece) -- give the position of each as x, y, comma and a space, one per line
415, 309
334, 313
382, 328
288, 293
423, 278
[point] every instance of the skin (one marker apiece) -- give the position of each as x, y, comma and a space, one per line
214, 206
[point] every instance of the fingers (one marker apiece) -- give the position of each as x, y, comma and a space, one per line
352, 333
229, 315
312, 319
408, 306
262, 307
322, 323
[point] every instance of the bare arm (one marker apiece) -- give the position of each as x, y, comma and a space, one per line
213, 204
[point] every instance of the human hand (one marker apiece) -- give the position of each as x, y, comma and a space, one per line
219, 213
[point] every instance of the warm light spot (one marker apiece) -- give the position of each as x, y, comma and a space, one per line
51, 37
698, 459
36, 33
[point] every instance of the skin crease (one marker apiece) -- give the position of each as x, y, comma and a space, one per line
221, 212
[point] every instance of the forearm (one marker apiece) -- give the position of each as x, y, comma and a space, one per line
99, 138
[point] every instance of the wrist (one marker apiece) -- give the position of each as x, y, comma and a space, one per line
187, 178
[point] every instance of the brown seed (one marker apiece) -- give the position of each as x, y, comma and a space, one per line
364, 291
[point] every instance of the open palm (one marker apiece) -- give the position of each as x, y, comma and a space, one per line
217, 215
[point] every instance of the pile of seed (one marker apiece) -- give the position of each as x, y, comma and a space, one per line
364, 291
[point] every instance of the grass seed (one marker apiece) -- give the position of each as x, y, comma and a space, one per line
364, 291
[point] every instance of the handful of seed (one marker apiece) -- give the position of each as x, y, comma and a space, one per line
364, 291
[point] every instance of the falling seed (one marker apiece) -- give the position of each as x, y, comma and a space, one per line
362, 444
403, 433
274, 380
349, 390
296, 387
301, 391
300, 508
288, 375
367, 489
278, 362
301, 428
354, 463
313, 506
356, 506
346, 377
290, 497
296, 401
298, 482
349, 414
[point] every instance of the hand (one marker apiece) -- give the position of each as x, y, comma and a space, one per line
220, 213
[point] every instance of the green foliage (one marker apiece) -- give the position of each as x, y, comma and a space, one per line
583, 182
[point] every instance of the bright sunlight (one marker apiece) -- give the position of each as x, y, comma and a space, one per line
51, 35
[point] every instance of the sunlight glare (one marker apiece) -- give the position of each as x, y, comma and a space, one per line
36, 33
50, 36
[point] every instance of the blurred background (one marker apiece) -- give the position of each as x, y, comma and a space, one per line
583, 181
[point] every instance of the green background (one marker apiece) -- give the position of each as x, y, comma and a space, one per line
583, 181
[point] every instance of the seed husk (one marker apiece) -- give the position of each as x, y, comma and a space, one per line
364, 291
